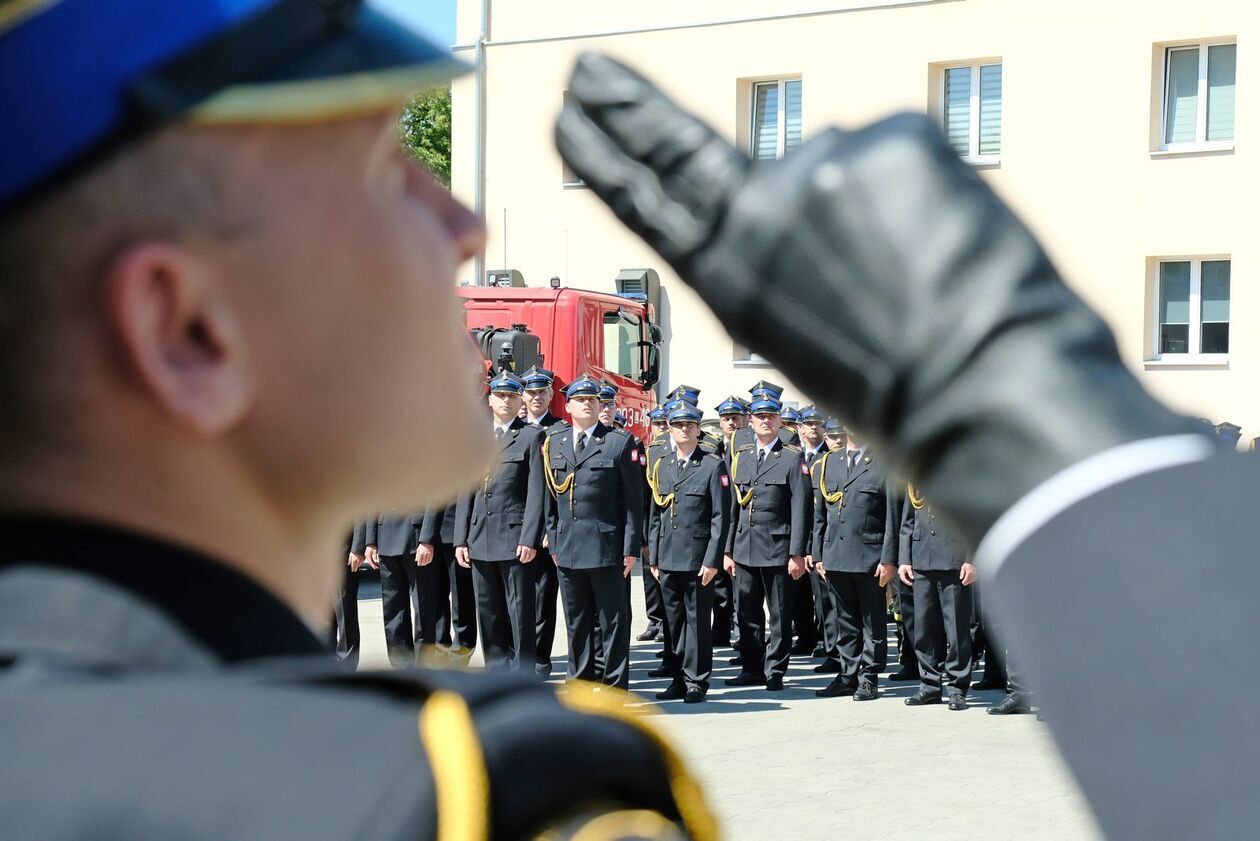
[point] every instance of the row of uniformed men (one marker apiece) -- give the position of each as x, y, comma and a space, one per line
800, 521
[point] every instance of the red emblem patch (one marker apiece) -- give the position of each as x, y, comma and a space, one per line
804, 469
634, 456
726, 481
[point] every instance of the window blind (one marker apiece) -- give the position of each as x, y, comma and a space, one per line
991, 109
765, 141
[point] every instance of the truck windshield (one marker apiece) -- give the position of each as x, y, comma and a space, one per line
622, 352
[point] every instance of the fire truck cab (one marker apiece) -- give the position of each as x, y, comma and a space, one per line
578, 331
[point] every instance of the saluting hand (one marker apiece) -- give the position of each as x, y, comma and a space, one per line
967, 575
461, 555
707, 574
424, 554
525, 554
628, 560
796, 566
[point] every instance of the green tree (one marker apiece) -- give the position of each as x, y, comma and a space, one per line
426, 131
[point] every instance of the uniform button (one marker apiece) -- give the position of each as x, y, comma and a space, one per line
932, 531
842, 519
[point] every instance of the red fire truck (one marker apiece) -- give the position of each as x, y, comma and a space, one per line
573, 332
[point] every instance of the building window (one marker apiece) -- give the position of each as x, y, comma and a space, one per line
971, 110
776, 118
1192, 308
568, 177
741, 355
1199, 96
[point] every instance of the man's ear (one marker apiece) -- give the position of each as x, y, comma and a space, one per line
180, 338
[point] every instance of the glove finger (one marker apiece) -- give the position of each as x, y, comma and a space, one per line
692, 166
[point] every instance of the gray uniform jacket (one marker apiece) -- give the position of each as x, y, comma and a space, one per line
395, 534
774, 524
508, 509
598, 519
860, 530
927, 542
690, 532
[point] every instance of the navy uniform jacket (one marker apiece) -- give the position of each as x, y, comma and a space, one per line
508, 509
547, 421
811, 461
690, 532
438, 525
860, 530
599, 519
114, 648
393, 533
774, 525
745, 435
926, 542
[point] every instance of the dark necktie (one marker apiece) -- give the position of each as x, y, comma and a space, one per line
581, 443
761, 456
498, 433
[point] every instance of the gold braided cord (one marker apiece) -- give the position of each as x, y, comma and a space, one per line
654, 482
742, 498
832, 497
916, 501
460, 778
556, 488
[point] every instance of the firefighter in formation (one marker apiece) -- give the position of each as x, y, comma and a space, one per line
776, 543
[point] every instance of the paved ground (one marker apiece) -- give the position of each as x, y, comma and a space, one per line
794, 766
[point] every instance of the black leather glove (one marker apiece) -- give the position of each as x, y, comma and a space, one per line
881, 274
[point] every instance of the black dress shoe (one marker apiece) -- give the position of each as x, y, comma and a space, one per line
957, 701
694, 695
922, 698
1010, 705
866, 692
649, 634
828, 667
659, 636
736, 661
819, 651
989, 683
672, 692
836, 689
660, 655
745, 679
662, 671
774, 683
904, 674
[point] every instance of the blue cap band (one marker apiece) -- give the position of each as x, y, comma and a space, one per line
582, 387
686, 412
773, 407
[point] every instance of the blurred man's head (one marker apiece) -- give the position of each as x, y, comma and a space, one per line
236, 323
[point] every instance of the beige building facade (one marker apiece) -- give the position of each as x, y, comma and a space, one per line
1120, 130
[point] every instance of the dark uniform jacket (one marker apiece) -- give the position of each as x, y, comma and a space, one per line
598, 519
395, 534
859, 530
147, 691
547, 421
926, 543
745, 435
690, 532
438, 525
811, 461
508, 509
774, 524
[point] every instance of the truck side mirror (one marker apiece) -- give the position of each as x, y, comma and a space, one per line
652, 371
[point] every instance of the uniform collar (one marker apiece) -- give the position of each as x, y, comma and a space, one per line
231, 615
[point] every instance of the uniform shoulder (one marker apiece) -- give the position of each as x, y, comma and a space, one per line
558, 427
791, 448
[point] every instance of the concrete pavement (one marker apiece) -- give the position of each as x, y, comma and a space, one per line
790, 765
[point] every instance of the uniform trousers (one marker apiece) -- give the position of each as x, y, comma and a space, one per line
346, 615
861, 616
546, 596
400, 595
688, 607
804, 615
723, 608
906, 655
457, 609
652, 601
984, 645
505, 611
595, 599
825, 617
759, 587
942, 630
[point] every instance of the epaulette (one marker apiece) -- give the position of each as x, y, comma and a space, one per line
658, 437
708, 447
744, 448
558, 427
791, 448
